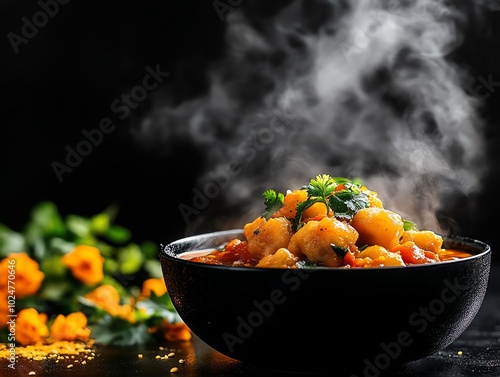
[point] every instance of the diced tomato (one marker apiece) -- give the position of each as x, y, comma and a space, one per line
412, 254
349, 258
431, 255
209, 259
340, 187
235, 250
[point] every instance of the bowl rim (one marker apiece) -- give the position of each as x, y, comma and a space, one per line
232, 233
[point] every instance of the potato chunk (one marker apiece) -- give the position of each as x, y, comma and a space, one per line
379, 256
250, 228
289, 209
270, 236
424, 239
282, 258
314, 240
378, 226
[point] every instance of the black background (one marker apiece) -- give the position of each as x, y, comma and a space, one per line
66, 77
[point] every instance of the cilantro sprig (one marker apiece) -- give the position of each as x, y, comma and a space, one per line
341, 195
273, 201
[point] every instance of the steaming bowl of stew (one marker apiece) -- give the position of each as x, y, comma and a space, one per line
326, 308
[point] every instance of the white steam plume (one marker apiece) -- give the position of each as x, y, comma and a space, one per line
356, 88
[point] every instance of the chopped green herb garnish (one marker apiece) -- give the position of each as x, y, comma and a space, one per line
340, 250
343, 196
408, 225
273, 201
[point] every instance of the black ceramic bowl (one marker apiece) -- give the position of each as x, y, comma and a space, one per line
325, 320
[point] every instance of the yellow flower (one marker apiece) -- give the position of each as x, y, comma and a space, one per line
71, 327
31, 327
86, 264
175, 332
156, 285
107, 298
25, 272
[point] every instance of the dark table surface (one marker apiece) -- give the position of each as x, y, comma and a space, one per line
475, 353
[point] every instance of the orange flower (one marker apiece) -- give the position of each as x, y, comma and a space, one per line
71, 327
156, 285
107, 298
125, 312
86, 264
175, 332
25, 272
31, 326
104, 296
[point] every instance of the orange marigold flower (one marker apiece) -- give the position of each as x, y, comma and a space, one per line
86, 264
26, 274
104, 296
31, 327
107, 298
72, 327
156, 285
175, 332
125, 312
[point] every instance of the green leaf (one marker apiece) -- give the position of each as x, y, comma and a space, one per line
346, 203
130, 259
46, 217
54, 290
53, 267
60, 246
153, 268
10, 241
79, 225
110, 266
339, 250
116, 331
118, 234
150, 250
322, 186
99, 223
273, 201
301, 207
160, 307
408, 225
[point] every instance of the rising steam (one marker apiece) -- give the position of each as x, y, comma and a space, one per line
360, 89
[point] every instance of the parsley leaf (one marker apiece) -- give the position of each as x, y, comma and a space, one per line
346, 203
408, 225
339, 250
339, 194
321, 187
273, 201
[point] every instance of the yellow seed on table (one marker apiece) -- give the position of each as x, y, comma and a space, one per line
161, 348
139, 356
70, 366
171, 354
459, 353
32, 373
182, 361
157, 357
174, 370
84, 362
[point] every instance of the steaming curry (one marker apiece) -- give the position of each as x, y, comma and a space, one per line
330, 222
